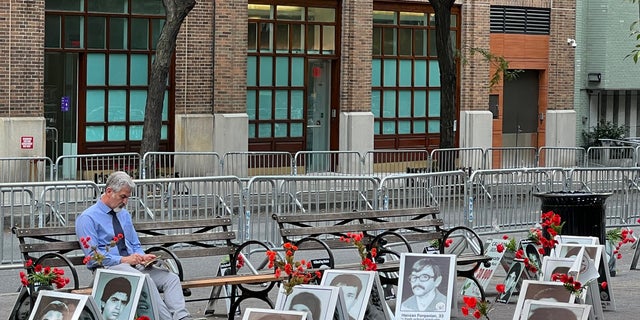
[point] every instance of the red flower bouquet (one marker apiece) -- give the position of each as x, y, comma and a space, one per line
38, 275
297, 272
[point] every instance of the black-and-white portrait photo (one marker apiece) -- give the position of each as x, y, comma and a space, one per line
269, 314
117, 293
542, 291
54, 309
511, 282
145, 304
426, 284
531, 252
22, 307
54, 305
545, 310
320, 302
356, 287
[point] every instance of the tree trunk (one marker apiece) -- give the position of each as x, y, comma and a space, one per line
176, 12
447, 64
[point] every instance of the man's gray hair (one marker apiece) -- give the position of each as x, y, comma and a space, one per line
118, 180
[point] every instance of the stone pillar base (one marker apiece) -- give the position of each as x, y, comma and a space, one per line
356, 134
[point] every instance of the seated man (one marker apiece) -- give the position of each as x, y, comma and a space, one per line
107, 219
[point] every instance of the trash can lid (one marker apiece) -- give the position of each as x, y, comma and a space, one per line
571, 194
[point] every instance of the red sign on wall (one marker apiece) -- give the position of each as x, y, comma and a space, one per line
26, 142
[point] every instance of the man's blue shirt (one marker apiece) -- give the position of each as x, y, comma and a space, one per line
96, 222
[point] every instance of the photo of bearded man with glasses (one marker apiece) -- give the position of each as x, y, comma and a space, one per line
424, 278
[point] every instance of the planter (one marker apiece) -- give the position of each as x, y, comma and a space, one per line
34, 291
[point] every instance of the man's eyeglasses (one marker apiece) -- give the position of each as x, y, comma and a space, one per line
422, 277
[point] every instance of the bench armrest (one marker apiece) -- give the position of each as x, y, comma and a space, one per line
171, 255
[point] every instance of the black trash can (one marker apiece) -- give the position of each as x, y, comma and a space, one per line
583, 213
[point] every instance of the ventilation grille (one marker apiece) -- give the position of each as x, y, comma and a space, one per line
520, 20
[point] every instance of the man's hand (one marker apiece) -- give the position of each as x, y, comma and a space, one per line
148, 257
132, 259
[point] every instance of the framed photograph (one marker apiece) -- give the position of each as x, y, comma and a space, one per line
531, 251
90, 311
552, 265
589, 257
117, 293
356, 288
484, 274
544, 310
570, 239
426, 284
145, 303
593, 251
597, 255
270, 314
59, 305
542, 290
22, 306
511, 282
320, 302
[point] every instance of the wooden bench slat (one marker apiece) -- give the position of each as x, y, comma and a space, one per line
48, 231
315, 217
182, 224
378, 226
141, 227
145, 240
186, 238
50, 246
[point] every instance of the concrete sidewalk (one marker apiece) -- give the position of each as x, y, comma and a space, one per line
624, 286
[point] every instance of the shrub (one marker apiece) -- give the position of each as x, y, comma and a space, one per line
604, 130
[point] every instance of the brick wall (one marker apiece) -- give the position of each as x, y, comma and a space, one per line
194, 62
355, 82
22, 63
211, 59
561, 56
230, 61
474, 75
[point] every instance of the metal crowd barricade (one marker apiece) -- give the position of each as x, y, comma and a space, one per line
170, 199
447, 190
25, 169
249, 164
268, 195
96, 167
613, 156
33, 204
327, 163
503, 201
622, 207
566, 157
462, 158
510, 157
180, 164
382, 163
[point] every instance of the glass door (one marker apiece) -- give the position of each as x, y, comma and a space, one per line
318, 117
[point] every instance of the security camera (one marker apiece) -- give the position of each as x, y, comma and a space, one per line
572, 42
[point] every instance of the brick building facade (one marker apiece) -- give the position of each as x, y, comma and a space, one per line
211, 107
